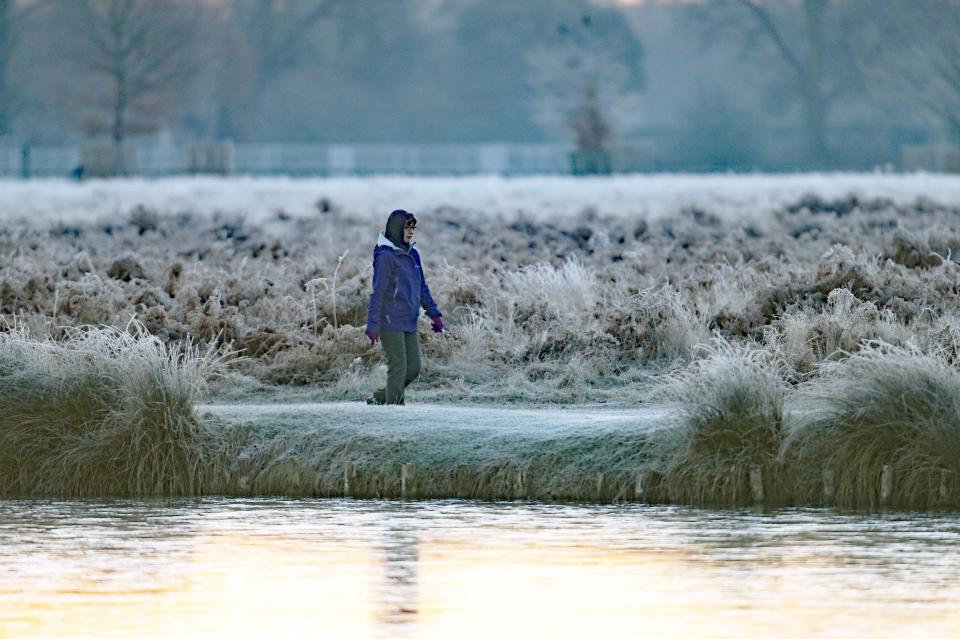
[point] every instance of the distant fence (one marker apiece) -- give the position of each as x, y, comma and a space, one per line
155, 159
934, 157
225, 157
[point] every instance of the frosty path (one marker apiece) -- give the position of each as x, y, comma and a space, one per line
446, 419
351, 449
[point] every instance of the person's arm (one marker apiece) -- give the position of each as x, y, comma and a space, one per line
426, 300
381, 280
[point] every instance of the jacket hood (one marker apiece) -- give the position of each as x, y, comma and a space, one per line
394, 228
383, 240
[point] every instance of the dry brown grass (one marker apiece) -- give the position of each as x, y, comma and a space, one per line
583, 306
104, 411
110, 412
883, 405
610, 296
731, 405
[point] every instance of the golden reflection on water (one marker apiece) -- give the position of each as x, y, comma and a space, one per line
489, 582
591, 592
233, 588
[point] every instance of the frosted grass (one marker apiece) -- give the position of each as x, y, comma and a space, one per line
555, 291
732, 196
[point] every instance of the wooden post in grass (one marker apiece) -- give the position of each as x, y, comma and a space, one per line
408, 477
646, 486
463, 481
318, 484
886, 484
295, 480
945, 496
640, 486
520, 484
349, 479
829, 485
598, 487
756, 484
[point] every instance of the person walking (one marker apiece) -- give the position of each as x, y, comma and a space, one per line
399, 291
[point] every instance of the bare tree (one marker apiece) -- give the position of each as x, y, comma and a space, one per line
810, 39
272, 38
912, 57
137, 55
13, 16
586, 90
591, 129
7, 36
278, 30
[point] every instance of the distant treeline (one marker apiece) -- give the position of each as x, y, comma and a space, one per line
716, 84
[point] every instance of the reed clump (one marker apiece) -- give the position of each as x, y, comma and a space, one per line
731, 405
103, 411
884, 405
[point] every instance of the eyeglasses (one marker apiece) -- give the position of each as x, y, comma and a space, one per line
410, 225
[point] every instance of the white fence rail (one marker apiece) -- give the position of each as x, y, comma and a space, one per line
935, 157
313, 159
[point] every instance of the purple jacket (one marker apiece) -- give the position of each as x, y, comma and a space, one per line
399, 289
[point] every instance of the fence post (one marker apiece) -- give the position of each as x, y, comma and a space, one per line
349, 479
886, 484
640, 486
408, 474
25, 168
646, 486
463, 481
945, 496
599, 485
520, 484
829, 485
756, 484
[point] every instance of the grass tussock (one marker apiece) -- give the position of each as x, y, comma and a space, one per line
732, 408
102, 412
360, 453
110, 412
807, 338
882, 405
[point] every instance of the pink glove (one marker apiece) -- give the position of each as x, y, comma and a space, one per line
373, 335
438, 324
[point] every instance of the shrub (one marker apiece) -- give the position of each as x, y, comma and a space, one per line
807, 337
104, 411
731, 407
883, 405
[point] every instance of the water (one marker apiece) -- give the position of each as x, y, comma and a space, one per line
314, 568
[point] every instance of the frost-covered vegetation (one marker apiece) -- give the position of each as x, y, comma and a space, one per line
552, 289
802, 324
103, 411
732, 407
883, 405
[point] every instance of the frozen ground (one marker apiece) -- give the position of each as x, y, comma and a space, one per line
541, 198
305, 448
446, 420
554, 289
741, 293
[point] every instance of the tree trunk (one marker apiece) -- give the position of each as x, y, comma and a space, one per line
119, 122
5, 115
6, 46
813, 95
119, 110
815, 126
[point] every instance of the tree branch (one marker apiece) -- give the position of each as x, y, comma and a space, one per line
282, 53
770, 28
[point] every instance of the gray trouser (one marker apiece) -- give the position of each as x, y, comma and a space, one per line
403, 364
